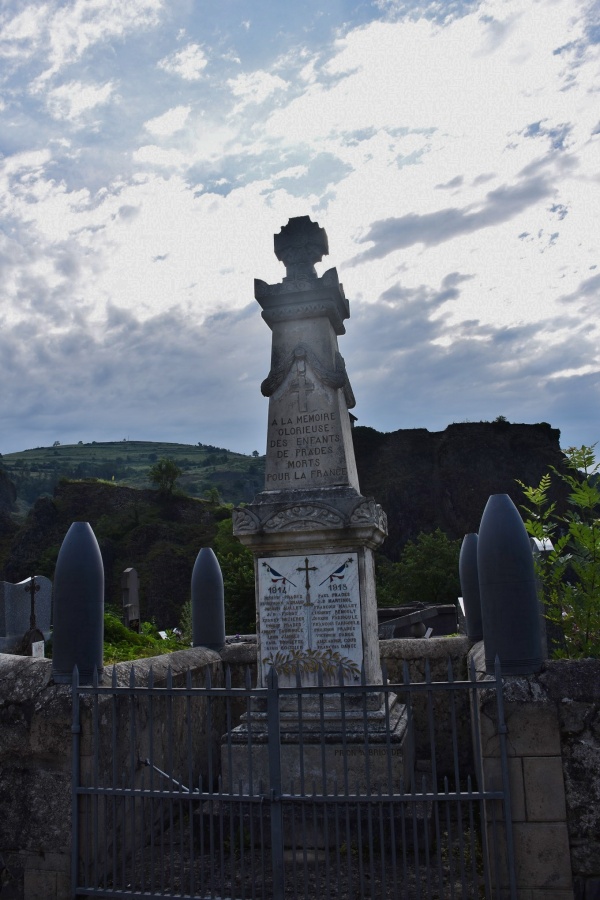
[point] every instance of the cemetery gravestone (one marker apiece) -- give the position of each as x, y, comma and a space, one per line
131, 599
15, 611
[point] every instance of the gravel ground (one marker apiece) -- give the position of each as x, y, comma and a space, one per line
230, 857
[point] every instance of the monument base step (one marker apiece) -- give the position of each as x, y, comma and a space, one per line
322, 756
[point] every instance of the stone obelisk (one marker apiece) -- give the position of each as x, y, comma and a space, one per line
311, 531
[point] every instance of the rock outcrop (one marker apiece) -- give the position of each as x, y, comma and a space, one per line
427, 480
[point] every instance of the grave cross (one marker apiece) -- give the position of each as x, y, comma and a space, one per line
32, 588
301, 386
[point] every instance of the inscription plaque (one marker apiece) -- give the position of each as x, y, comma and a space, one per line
310, 617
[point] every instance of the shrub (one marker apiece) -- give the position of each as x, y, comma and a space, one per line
569, 574
122, 644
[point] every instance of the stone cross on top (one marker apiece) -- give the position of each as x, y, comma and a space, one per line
299, 245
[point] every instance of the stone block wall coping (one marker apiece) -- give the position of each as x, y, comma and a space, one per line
194, 659
421, 648
23, 677
575, 679
558, 680
239, 654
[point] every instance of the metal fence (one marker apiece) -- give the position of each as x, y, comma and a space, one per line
329, 791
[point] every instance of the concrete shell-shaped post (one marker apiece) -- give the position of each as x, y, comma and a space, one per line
78, 637
208, 602
507, 585
469, 586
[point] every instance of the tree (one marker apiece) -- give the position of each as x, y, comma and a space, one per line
427, 572
237, 565
164, 474
212, 495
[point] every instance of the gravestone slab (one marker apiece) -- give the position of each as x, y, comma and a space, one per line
130, 586
15, 611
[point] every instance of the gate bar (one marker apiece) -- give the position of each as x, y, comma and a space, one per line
274, 750
502, 732
75, 779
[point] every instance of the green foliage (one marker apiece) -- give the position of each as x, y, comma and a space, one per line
570, 573
427, 572
185, 624
36, 472
122, 644
237, 565
164, 474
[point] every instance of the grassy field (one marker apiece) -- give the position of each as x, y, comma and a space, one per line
35, 472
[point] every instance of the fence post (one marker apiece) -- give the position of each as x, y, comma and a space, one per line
274, 751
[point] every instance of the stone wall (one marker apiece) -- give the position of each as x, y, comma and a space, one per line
554, 759
573, 686
35, 762
553, 740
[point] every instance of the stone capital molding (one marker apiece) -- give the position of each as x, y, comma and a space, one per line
302, 517
309, 516
369, 513
245, 521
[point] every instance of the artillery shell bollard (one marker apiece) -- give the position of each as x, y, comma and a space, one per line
507, 585
469, 586
208, 602
78, 636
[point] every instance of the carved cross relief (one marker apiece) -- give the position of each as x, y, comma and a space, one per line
301, 385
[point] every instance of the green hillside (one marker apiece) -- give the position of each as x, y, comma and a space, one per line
36, 472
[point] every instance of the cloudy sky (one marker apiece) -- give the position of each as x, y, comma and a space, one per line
150, 149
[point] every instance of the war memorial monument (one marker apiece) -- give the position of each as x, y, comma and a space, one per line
311, 531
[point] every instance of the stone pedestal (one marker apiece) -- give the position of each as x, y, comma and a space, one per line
324, 757
315, 583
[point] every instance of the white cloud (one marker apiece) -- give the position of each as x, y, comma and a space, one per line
158, 156
188, 63
254, 87
169, 122
58, 34
460, 160
71, 100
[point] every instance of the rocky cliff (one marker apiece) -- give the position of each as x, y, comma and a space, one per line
427, 480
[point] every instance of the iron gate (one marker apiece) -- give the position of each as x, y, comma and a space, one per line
327, 791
